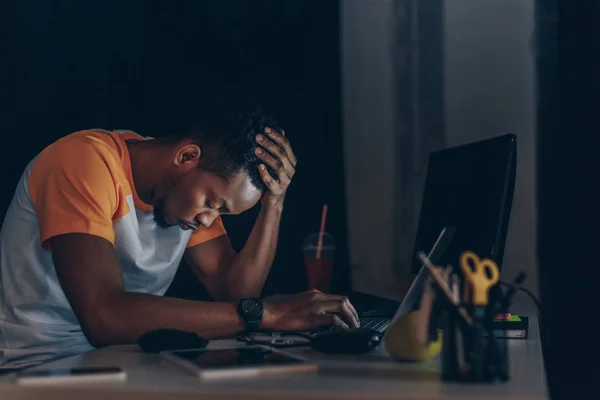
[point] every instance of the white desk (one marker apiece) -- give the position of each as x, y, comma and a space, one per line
372, 376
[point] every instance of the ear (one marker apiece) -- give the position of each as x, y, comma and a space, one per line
190, 153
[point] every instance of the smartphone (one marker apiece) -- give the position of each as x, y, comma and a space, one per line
238, 361
72, 375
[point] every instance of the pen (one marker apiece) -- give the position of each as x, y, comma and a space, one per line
443, 286
460, 351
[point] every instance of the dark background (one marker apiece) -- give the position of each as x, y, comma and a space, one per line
568, 80
142, 65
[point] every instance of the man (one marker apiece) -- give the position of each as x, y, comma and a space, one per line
100, 221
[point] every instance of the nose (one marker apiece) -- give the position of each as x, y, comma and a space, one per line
207, 218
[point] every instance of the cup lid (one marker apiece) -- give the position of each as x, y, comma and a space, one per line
312, 239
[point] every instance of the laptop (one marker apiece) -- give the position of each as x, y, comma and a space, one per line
411, 301
469, 187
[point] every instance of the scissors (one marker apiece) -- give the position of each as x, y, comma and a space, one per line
482, 274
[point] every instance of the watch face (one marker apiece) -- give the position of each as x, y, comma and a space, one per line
252, 307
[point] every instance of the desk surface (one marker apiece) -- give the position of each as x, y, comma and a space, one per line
373, 375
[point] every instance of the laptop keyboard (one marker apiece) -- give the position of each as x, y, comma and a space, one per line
377, 324
374, 323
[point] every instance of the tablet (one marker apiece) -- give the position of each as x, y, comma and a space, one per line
238, 361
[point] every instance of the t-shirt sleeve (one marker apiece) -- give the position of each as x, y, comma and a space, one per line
74, 191
202, 235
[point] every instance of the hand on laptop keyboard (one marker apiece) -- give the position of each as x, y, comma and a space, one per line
310, 309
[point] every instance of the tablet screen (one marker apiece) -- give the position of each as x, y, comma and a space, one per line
236, 357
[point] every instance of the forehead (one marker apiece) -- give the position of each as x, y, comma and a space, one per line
238, 192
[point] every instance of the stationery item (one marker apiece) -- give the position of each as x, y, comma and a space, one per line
466, 293
516, 327
460, 351
441, 283
455, 288
481, 274
471, 352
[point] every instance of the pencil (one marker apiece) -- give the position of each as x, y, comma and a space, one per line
444, 286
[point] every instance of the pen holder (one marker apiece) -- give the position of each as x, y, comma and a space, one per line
473, 353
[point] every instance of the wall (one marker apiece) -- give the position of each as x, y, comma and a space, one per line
368, 120
489, 91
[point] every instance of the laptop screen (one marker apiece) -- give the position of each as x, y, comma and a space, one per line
413, 296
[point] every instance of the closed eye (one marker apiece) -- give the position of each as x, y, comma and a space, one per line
224, 209
207, 204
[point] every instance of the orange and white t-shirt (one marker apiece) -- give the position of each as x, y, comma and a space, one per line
80, 184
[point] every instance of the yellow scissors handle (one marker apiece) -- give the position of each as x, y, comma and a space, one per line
482, 274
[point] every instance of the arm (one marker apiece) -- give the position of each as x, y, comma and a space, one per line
231, 276
91, 278
88, 272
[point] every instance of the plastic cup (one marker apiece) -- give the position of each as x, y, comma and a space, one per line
319, 271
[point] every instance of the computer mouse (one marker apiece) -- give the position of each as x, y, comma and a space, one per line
170, 339
349, 341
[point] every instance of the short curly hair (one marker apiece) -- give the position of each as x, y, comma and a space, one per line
225, 128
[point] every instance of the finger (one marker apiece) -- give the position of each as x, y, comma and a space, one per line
271, 183
338, 322
350, 308
276, 165
278, 153
330, 319
314, 292
349, 313
340, 306
282, 141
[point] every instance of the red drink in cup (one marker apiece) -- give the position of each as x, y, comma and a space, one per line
319, 265
318, 273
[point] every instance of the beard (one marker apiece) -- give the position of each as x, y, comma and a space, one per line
160, 214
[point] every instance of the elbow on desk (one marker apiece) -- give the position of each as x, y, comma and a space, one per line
102, 328
96, 334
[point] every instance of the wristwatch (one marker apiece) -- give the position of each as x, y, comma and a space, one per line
251, 310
